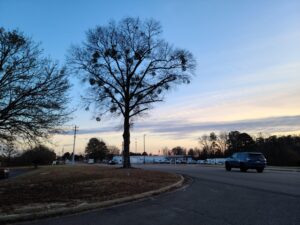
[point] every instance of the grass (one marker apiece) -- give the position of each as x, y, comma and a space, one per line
68, 186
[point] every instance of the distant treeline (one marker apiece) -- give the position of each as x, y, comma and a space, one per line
279, 150
38, 155
42, 155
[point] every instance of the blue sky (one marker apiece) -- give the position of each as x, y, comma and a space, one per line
248, 56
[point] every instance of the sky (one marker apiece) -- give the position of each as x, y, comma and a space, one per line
247, 76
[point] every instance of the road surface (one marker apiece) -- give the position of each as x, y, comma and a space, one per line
214, 197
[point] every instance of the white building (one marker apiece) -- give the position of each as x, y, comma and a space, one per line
154, 159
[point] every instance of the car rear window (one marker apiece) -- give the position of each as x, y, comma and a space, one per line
256, 156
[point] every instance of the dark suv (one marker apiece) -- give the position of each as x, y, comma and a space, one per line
246, 160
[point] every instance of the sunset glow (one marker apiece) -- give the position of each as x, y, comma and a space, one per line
247, 77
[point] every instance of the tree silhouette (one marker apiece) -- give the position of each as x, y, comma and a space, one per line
38, 155
66, 156
8, 151
239, 142
32, 90
178, 151
112, 151
129, 67
191, 152
222, 141
96, 149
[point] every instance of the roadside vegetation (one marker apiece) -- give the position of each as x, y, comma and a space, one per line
279, 150
34, 156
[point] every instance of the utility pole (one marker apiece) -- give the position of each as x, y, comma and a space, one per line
144, 148
135, 145
73, 157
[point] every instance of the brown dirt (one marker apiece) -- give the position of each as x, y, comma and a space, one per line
72, 185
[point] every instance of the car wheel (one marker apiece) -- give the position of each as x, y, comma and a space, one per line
227, 167
260, 170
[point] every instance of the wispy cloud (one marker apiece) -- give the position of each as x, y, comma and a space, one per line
182, 128
179, 128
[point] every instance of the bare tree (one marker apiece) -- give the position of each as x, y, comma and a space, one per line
204, 141
215, 148
178, 151
9, 150
166, 151
191, 152
129, 67
222, 141
33, 100
113, 150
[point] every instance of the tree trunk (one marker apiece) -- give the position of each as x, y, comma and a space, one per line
126, 142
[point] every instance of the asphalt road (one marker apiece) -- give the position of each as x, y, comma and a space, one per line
214, 196
14, 172
18, 171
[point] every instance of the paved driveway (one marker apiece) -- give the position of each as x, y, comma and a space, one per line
214, 197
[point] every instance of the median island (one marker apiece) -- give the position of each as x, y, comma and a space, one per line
58, 190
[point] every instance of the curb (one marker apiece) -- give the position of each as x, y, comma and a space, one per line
273, 168
87, 206
283, 169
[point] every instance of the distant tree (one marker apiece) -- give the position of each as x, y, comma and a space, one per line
66, 156
191, 152
212, 137
144, 153
233, 142
129, 67
204, 142
166, 151
246, 142
209, 145
194, 152
178, 151
33, 89
280, 151
39, 155
96, 149
135, 154
222, 141
79, 157
8, 151
204, 153
214, 145
112, 151
240, 142
197, 153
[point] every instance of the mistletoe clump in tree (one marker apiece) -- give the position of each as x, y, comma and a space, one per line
129, 67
